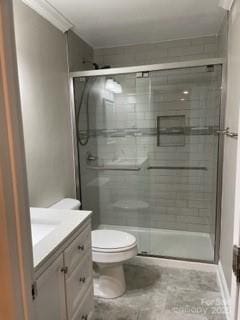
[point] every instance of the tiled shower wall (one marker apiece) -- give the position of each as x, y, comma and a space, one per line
124, 126
167, 51
89, 187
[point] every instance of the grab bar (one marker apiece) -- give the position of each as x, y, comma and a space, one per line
113, 168
176, 168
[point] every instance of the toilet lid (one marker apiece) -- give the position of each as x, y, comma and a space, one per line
112, 239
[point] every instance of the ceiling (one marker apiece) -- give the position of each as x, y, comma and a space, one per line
110, 23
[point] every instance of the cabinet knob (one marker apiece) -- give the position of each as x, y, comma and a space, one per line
84, 317
81, 247
83, 279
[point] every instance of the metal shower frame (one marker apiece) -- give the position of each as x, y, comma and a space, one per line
149, 68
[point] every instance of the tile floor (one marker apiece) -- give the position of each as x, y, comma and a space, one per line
160, 293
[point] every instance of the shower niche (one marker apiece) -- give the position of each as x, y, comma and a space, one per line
171, 131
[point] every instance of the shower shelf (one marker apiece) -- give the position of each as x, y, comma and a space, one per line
176, 168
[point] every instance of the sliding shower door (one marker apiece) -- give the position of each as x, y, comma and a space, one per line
112, 169
183, 161
148, 157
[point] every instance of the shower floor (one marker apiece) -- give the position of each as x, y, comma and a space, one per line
170, 243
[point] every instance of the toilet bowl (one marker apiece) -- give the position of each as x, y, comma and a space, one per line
110, 249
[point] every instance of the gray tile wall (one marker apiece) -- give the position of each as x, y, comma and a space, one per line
176, 199
168, 51
181, 200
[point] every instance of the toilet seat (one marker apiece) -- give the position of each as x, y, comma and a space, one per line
111, 241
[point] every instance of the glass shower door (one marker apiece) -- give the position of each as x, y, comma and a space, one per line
112, 168
148, 157
183, 161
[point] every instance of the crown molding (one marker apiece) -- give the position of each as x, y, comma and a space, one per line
226, 4
47, 11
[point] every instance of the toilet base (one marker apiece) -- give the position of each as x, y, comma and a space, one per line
109, 283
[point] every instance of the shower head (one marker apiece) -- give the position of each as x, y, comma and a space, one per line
95, 65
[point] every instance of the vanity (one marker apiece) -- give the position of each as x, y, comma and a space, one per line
63, 288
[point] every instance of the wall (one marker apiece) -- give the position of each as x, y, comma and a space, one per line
43, 76
230, 145
78, 50
168, 51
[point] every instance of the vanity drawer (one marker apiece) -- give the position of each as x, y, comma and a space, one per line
78, 283
74, 254
86, 309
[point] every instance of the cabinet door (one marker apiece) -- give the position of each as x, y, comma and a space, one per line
74, 254
50, 300
85, 311
78, 283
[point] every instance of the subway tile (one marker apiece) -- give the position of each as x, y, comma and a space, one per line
181, 200
204, 40
211, 48
168, 51
193, 50
175, 52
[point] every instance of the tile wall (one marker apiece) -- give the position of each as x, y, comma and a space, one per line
167, 51
123, 126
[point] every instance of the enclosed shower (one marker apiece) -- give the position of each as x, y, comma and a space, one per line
148, 154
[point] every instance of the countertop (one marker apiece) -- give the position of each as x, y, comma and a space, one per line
51, 227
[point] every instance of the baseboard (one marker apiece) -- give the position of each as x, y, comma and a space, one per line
224, 290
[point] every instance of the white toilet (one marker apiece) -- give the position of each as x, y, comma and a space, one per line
110, 249
67, 203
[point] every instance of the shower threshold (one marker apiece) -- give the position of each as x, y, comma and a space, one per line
170, 243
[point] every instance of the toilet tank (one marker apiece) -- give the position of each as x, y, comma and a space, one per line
67, 204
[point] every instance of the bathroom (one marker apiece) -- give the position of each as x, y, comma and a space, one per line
126, 140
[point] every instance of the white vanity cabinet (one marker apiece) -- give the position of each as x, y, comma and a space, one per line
65, 285
50, 299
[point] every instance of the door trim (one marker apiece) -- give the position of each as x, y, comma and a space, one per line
16, 261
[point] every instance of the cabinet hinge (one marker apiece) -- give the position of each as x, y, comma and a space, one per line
34, 290
64, 270
236, 262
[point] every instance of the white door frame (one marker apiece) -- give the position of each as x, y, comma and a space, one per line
235, 302
16, 262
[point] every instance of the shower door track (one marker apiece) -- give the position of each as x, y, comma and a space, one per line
174, 258
149, 68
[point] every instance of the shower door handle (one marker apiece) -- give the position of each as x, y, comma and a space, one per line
223, 132
158, 131
227, 133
